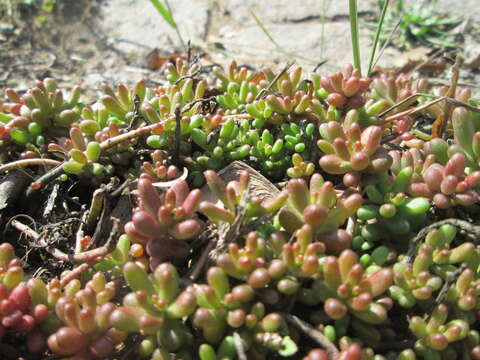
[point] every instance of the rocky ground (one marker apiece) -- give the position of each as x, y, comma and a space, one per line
115, 41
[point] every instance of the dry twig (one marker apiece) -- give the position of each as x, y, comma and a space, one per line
313, 334
448, 107
239, 346
28, 162
263, 92
471, 231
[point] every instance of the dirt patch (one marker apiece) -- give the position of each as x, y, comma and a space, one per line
70, 47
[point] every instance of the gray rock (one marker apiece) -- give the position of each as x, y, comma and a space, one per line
11, 187
135, 25
302, 40
455, 7
278, 11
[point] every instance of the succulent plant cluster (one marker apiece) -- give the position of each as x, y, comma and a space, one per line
347, 149
163, 224
345, 88
350, 234
18, 313
42, 112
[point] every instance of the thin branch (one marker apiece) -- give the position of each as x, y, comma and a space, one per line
191, 104
189, 52
448, 282
188, 76
389, 138
255, 224
75, 273
90, 255
387, 42
323, 62
262, 93
95, 207
107, 144
239, 346
118, 191
52, 198
25, 229
28, 162
448, 108
39, 240
415, 110
178, 134
446, 98
400, 103
136, 112
56, 172
461, 103
101, 251
438, 81
200, 264
313, 334
471, 231
80, 235
237, 116
350, 228
45, 179
89, 218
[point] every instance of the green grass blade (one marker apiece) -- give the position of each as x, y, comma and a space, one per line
267, 33
353, 15
276, 44
164, 12
377, 35
323, 17
387, 42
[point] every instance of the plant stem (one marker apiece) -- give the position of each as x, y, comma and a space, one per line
471, 231
104, 145
166, 12
177, 30
262, 93
267, 33
415, 110
448, 107
377, 35
239, 346
353, 14
75, 273
314, 334
325, 5
32, 234
45, 179
95, 206
178, 135
28, 162
275, 43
